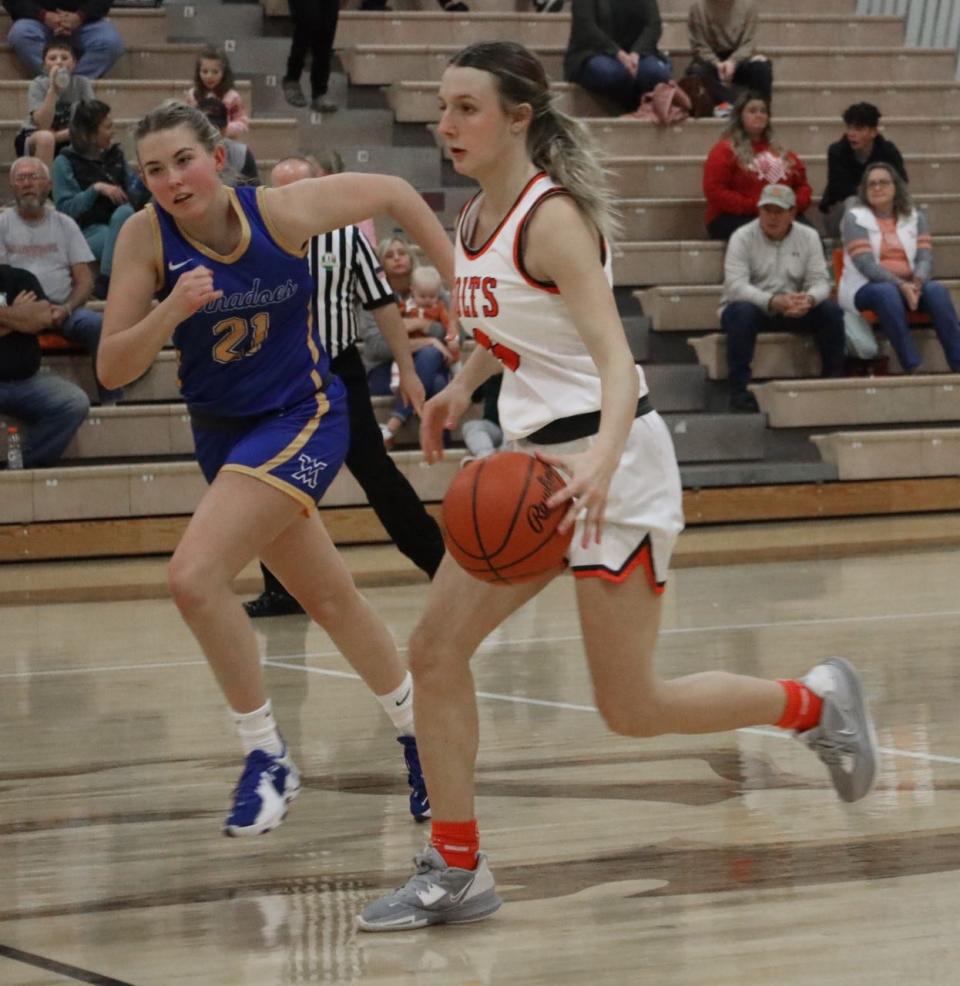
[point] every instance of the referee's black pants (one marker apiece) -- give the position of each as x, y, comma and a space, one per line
314, 28
388, 491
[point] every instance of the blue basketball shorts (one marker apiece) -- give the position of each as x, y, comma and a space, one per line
298, 450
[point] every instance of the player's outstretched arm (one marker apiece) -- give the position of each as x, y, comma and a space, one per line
133, 332
317, 205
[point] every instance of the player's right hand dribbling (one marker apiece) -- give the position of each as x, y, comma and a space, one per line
193, 290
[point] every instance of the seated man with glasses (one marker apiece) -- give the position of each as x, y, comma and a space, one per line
887, 263
37, 238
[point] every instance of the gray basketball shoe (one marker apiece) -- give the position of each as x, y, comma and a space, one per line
844, 739
435, 894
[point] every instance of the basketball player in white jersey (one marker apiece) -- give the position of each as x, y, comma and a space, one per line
534, 288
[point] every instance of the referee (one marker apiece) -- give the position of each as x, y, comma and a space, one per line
346, 271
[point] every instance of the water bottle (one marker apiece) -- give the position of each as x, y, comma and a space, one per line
61, 79
14, 449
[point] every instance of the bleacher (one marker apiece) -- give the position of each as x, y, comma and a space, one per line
818, 449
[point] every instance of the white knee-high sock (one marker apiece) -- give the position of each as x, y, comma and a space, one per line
258, 730
398, 704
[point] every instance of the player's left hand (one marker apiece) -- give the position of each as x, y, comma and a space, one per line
586, 490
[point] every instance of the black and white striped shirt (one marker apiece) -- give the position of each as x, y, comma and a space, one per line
345, 272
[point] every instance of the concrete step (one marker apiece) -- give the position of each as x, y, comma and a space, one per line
232, 27
668, 8
895, 454
716, 437
135, 26
159, 383
790, 354
764, 473
142, 61
660, 175
126, 97
701, 261
683, 219
684, 308
433, 27
269, 139
373, 64
141, 430
166, 489
874, 400
812, 135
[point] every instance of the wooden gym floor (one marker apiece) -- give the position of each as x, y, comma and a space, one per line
723, 860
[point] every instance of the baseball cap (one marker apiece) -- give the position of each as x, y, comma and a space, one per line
779, 195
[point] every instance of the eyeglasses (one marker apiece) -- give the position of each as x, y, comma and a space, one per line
23, 179
879, 183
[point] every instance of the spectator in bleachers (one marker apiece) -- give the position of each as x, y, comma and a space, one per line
861, 145
241, 166
49, 408
722, 38
213, 76
93, 184
81, 22
742, 163
314, 28
50, 245
776, 280
433, 350
613, 50
50, 101
887, 265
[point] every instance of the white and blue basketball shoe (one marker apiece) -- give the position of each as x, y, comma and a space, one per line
266, 787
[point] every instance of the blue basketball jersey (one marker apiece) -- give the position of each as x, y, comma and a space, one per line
256, 349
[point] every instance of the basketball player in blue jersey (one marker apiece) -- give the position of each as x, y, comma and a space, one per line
269, 420
534, 286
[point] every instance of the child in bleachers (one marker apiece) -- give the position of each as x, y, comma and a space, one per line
241, 165
214, 77
50, 101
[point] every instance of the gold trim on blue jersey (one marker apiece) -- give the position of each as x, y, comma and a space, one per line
245, 235
279, 484
297, 250
304, 436
157, 235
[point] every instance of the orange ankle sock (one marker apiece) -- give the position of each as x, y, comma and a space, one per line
457, 842
803, 707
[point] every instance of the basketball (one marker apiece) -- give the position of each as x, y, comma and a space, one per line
497, 525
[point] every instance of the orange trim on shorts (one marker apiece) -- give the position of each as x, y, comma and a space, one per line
641, 556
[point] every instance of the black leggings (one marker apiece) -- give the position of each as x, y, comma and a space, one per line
314, 28
756, 76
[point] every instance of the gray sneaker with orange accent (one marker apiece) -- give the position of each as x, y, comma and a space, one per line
435, 894
844, 739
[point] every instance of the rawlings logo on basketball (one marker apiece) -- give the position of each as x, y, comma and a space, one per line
537, 513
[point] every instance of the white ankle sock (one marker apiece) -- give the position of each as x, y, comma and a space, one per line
258, 730
398, 704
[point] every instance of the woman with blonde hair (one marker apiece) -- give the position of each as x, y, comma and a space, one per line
534, 287
742, 163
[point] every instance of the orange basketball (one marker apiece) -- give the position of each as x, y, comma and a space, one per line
497, 525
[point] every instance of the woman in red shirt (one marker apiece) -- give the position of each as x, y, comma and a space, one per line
742, 163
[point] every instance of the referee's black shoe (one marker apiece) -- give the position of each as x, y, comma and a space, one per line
272, 604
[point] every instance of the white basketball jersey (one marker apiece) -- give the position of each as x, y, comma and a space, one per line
548, 372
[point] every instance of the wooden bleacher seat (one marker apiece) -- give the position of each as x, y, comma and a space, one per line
859, 401
370, 64
432, 26
904, 452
